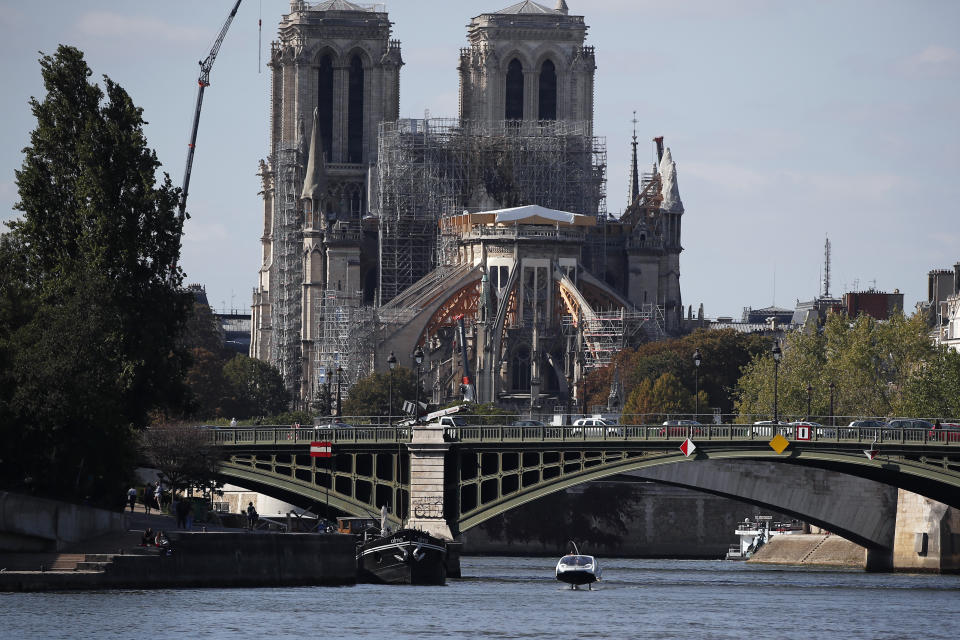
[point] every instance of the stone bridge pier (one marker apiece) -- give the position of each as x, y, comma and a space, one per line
427, 488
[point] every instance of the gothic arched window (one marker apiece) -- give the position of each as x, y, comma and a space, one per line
548, 92
325, 104
520, 370
514, 93
355, 111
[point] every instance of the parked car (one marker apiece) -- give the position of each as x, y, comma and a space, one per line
681, 428
908, 423
765, 427
527, 423
595, 427
947, 432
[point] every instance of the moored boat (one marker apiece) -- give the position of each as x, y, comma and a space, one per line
406, 556
578, 569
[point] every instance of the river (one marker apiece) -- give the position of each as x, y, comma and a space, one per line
503, 597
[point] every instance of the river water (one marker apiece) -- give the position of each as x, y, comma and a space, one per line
518, 598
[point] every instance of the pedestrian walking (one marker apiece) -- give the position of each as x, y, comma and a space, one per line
132, 498
158, 497
252, 516
181, 512
147, 498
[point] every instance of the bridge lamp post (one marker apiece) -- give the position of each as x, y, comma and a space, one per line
832, 387
696, 381
339, 376
809, 394
418, 358
777, 354
392, 362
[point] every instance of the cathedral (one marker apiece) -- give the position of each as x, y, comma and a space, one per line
482, 242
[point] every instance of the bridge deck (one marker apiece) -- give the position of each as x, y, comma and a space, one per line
493, 434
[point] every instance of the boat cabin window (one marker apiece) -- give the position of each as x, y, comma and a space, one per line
577, 561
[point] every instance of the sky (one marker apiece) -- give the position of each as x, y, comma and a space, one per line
790, 122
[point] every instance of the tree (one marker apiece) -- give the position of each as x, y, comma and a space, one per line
90, 299
650, 403
255, 388
723, 353
207, 384
870, 363
184, 455
370, 396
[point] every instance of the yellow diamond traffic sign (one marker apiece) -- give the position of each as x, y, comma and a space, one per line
779, 443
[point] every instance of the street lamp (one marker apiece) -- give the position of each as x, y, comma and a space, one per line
776, 365
696, 383
809, 393
418, 358
392, 362
832, 421
339, 375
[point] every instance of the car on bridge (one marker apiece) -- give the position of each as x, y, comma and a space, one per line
861, 428
527, 423
595, 427
681, 428
946, 432
766, 428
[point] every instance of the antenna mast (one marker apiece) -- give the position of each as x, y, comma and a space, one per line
826, 268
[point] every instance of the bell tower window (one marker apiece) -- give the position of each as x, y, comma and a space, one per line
355, 112
514, 93
325, 104
548, 92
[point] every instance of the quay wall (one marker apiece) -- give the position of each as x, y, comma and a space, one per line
216, 559
811, 549
28, 523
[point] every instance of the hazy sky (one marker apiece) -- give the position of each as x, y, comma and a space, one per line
789, 121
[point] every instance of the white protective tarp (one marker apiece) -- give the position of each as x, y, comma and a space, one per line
521, 214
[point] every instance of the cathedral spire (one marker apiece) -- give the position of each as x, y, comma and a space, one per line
634, 175
315, 182
671, 192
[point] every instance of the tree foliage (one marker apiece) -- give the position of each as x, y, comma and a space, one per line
370, 396
184, 454
651, 402
254, 388
723, 354
90, 298
877, 369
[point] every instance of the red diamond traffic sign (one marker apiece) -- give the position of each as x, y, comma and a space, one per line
688, 447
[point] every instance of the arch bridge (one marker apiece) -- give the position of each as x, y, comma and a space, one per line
450, 479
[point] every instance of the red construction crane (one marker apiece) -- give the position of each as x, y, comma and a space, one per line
204, 82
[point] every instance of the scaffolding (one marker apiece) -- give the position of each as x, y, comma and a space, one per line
434, 167
287, 268
606, 333
345, 338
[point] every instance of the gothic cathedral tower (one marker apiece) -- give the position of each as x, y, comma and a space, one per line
527, 62
335, 77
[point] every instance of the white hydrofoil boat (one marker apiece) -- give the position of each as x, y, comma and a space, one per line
577, 569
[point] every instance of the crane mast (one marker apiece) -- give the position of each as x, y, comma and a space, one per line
204, 81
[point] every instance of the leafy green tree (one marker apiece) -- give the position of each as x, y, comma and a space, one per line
933, 388
254, 388
207, 384
723, 355
650, 403
90, 299
370, 396
869, 363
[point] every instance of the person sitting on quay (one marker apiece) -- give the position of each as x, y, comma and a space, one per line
148, 538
